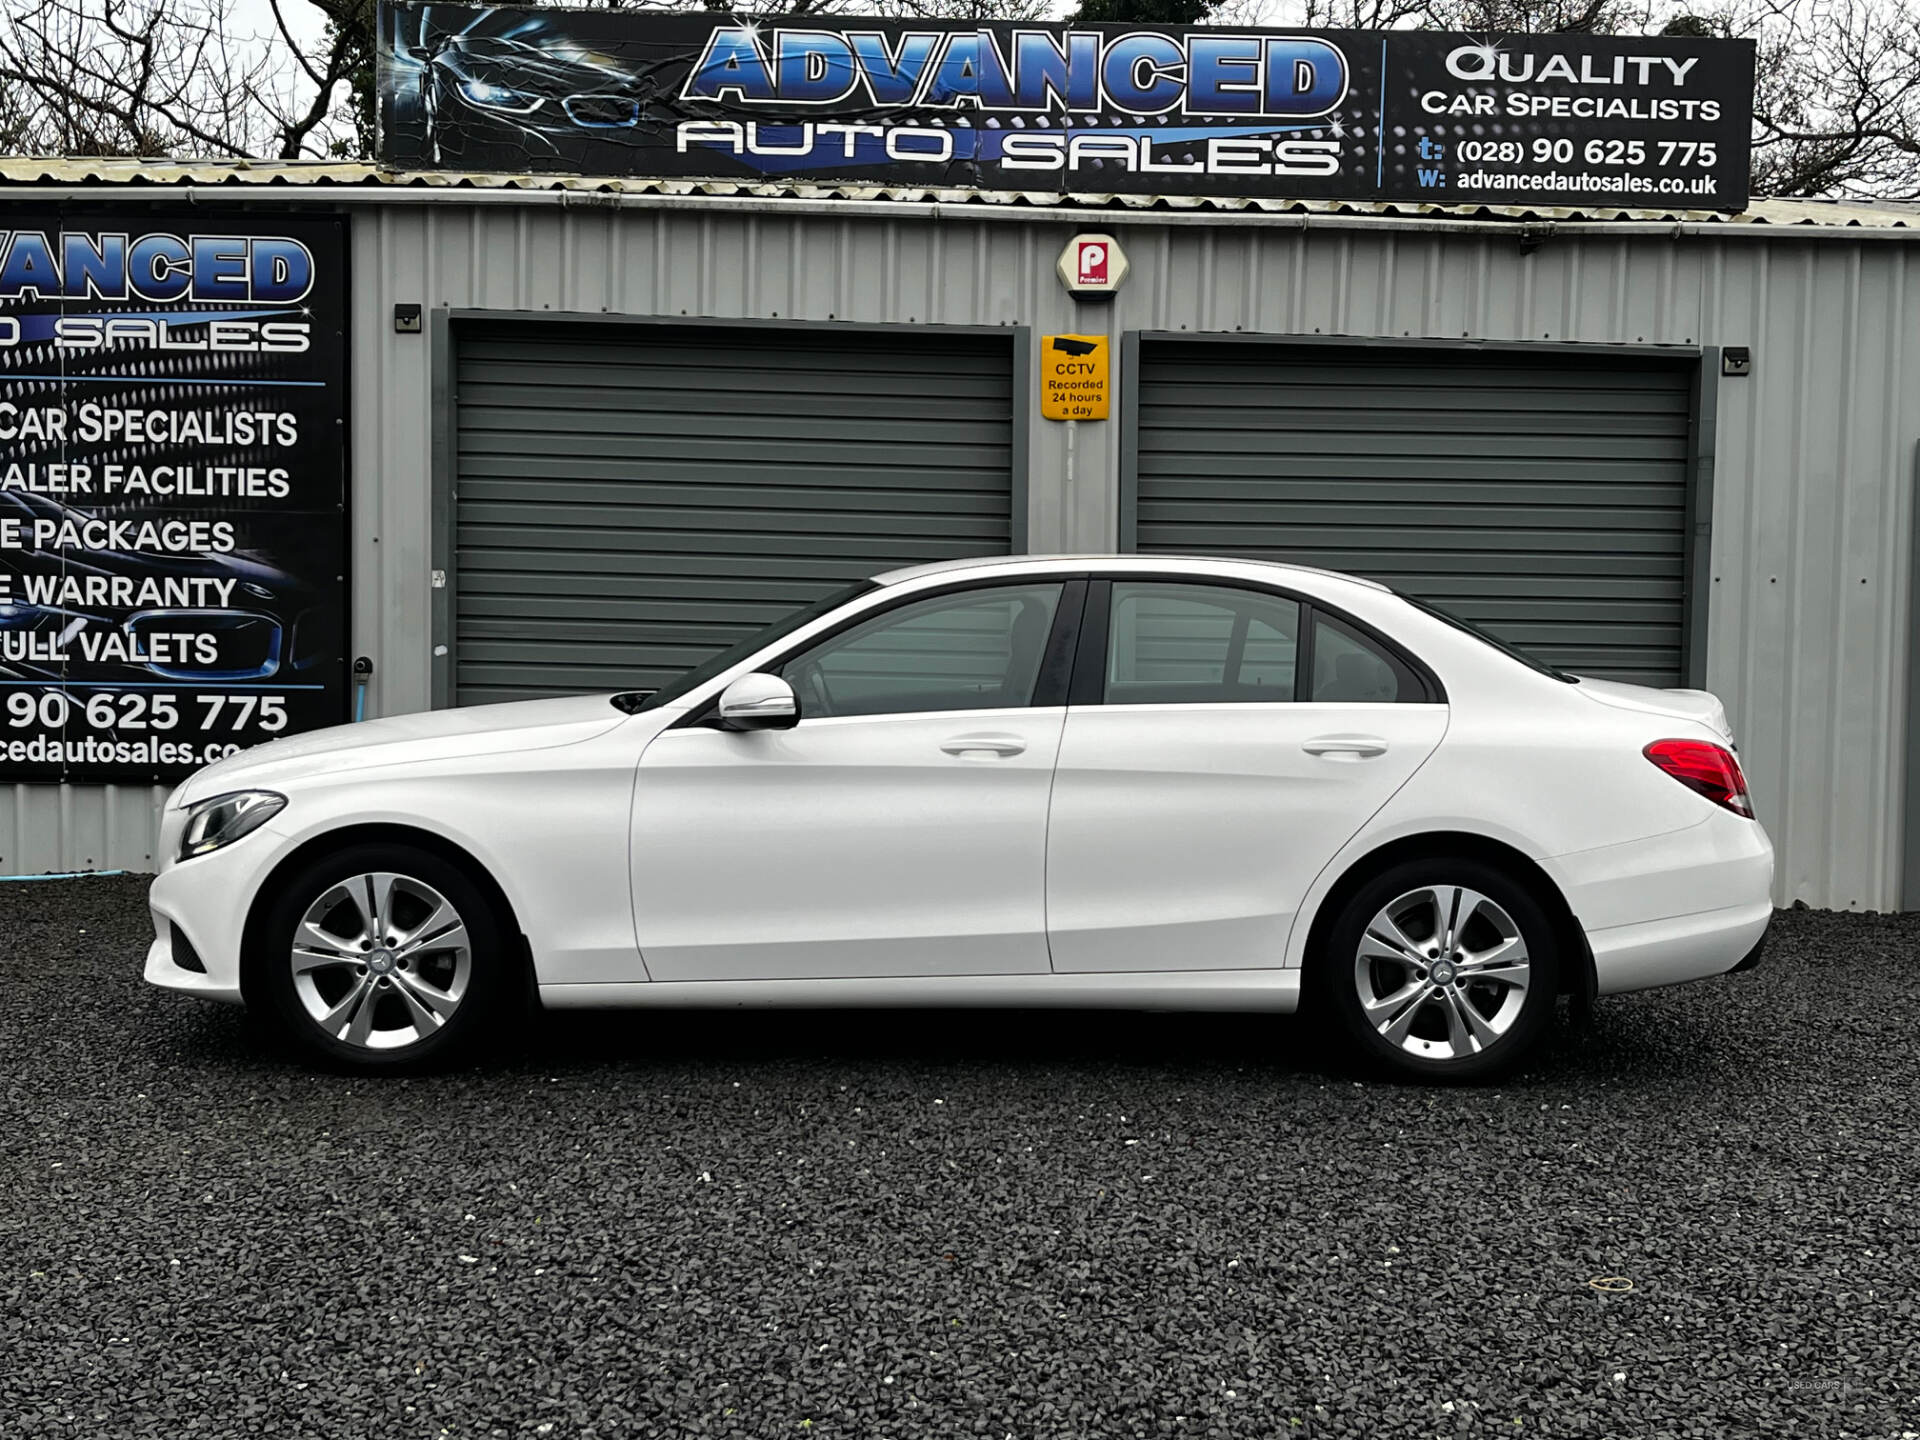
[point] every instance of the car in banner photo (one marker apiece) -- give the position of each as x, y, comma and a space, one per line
1076, 781
111, 616
507, 77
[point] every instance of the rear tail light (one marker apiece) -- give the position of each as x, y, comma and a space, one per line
1708, 769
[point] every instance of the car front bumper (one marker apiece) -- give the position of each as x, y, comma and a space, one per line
165, 969
204, 902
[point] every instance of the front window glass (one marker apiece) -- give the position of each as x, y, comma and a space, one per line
973, 650
726, 659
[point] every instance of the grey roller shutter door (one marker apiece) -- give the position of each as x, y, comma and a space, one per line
630, 499
1543, 496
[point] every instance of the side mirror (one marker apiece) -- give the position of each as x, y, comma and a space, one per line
759, 702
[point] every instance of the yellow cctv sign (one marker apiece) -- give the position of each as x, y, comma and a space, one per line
1073, 377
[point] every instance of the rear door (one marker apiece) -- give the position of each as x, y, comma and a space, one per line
1224, 743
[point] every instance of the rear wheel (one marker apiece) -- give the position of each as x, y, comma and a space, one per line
384, 957
1442, 969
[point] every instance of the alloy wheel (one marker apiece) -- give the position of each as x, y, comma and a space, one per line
381, 960
1442, 972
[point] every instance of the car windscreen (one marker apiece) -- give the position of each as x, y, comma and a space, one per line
716, 664
1469, 628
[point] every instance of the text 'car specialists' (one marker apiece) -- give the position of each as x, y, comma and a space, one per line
1055, 108
172, 541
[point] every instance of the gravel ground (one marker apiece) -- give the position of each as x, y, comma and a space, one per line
956, 1224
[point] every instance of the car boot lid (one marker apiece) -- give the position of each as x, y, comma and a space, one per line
1696, 705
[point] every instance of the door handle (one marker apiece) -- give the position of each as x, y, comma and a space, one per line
1360, 747
996, 745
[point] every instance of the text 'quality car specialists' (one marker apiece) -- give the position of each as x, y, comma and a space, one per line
1439, 118
172, 491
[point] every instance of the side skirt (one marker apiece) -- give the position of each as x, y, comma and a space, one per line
1273, 991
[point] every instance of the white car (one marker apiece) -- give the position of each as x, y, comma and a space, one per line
1151, 782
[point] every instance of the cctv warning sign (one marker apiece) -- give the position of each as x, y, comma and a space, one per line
1074, 377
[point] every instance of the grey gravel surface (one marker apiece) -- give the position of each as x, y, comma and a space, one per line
954, 1224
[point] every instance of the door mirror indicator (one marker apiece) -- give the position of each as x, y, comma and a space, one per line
759, 702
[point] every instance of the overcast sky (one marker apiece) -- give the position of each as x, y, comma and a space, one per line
306, 22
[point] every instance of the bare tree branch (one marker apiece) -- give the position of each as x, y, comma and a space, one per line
152, 77
294, 48
1836, 108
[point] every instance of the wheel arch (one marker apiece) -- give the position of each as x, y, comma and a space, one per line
328, 842
1576, 978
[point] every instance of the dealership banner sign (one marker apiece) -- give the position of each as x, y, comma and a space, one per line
173, 538
1558, 120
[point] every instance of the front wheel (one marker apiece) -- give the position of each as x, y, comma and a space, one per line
1442, 969
383, 957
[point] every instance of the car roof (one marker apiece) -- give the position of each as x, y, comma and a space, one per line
1186, 564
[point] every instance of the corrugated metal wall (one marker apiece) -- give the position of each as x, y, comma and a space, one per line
1808, 602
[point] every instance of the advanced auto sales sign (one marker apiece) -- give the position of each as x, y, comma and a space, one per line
172, 489
1554, 120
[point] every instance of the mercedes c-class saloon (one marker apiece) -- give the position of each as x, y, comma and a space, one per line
1200, 784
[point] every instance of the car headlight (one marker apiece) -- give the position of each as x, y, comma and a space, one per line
485, 95
225, 818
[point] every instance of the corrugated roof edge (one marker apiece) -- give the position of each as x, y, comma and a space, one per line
314, 176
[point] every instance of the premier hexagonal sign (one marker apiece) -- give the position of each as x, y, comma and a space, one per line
1092, 265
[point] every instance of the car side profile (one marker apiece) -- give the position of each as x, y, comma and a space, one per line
1136, 781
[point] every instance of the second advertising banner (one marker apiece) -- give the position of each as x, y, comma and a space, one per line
173, 529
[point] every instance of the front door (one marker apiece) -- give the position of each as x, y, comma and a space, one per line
1212, 778
898, 829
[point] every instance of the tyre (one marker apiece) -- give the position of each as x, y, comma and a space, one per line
1442, 969
384, 958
